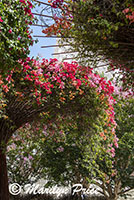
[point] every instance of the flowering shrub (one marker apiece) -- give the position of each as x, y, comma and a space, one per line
50, 92
110, 36
60, 97
117, 179
55, 3
129, 12
41, 79
23, 155
15, 38
50, 84
82, 154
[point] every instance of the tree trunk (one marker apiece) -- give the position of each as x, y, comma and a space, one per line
4, 191
112, 198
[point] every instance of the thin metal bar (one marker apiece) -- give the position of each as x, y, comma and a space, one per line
101, 65
64, 52
42, 3
69, 58
44, 36
42, 15
56, 45
50, 36
78, 58
38, 25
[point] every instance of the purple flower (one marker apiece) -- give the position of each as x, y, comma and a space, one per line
25, 158
61, 149
45, 133
30, 157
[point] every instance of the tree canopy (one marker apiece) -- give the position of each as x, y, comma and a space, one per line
99, 31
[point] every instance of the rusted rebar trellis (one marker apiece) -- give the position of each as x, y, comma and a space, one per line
44, 23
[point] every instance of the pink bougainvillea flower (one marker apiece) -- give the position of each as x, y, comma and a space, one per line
22, 1
27, 11
30, 4
116, 144
126, 10
1, 20
10, 31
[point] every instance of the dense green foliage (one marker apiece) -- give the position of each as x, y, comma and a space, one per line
15, 38
118, 179
67, 155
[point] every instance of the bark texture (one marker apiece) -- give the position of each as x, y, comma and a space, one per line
4, 192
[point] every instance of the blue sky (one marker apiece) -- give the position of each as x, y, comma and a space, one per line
36, 49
